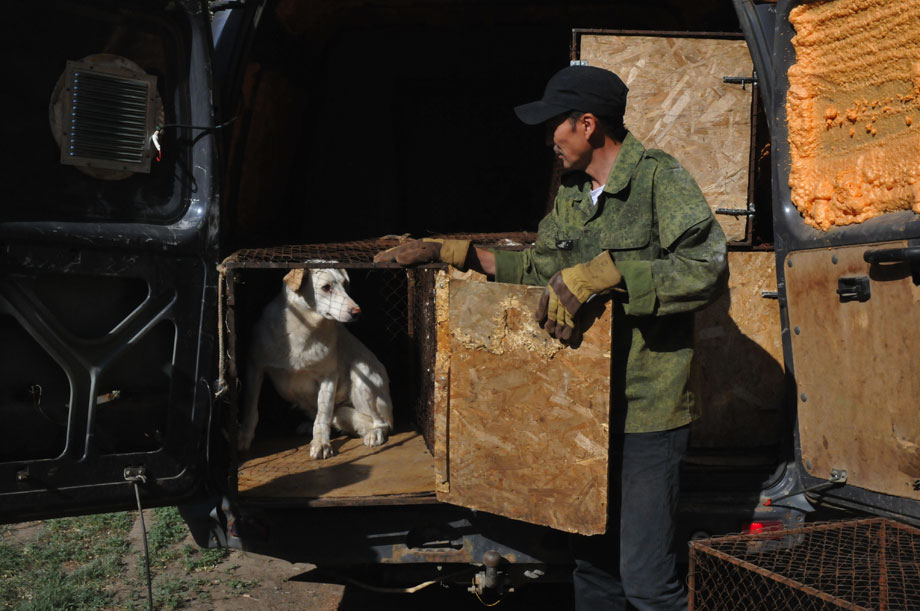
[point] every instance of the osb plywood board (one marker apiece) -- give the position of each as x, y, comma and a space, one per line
738, 359
528, 419
856, 369
283, 469
677, 102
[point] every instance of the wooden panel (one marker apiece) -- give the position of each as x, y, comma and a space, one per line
738, 359
677, 102
282, 468
528, 422
856, 369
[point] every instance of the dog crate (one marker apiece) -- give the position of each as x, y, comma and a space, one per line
854, 564
490, 412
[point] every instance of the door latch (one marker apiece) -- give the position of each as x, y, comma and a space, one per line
853, 288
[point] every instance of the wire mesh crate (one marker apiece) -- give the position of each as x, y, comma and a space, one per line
854, 564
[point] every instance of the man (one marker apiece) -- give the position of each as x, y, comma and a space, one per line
632, 222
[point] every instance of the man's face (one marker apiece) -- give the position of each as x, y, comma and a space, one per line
569, 141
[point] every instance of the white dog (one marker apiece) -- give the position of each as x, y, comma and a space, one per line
316, 363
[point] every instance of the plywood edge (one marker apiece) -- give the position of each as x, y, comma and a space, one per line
441, 383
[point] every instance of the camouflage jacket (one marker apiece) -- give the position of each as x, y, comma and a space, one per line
665, 241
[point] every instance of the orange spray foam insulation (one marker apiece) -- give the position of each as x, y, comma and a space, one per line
853, 110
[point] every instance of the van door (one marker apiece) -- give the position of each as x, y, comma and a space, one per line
108, 248
848, 263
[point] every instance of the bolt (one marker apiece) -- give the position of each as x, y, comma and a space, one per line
797, 331
804, 397
834, 259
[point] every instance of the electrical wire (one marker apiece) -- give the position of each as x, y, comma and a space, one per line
204, 127
484, 603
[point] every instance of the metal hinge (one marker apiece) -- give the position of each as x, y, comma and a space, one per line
740, 80
749, 211
578, 62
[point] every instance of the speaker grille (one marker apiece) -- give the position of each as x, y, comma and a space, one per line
108, 120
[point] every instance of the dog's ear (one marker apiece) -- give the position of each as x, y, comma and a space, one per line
294, 278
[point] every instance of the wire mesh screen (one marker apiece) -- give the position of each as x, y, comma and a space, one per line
358, 254
859, 564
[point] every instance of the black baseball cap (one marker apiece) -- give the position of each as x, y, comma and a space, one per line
581, 88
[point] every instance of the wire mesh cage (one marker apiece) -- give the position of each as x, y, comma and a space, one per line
854, 564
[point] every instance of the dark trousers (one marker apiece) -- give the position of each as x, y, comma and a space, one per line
633, 565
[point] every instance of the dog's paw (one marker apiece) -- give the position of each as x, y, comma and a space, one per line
375, 437
321, 450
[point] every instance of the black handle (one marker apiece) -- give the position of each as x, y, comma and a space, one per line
893, 255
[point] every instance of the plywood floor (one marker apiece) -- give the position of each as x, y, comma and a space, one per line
282, 468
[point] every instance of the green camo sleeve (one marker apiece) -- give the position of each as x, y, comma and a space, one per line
694, 269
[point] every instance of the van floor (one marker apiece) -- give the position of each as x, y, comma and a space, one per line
399, 471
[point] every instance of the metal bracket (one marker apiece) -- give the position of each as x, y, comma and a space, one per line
578, 62
769, 294
136, 474
837, 477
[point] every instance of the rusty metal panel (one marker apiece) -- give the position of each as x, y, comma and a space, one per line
855, 366
678, 102
527, 421
738, 372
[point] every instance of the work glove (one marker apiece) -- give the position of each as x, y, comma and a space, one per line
570, 288
426, 250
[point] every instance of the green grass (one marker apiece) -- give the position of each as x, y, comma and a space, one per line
77, 564
69, 564
196, 559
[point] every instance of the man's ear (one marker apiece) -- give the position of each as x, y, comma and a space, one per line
294, 278
589, 121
